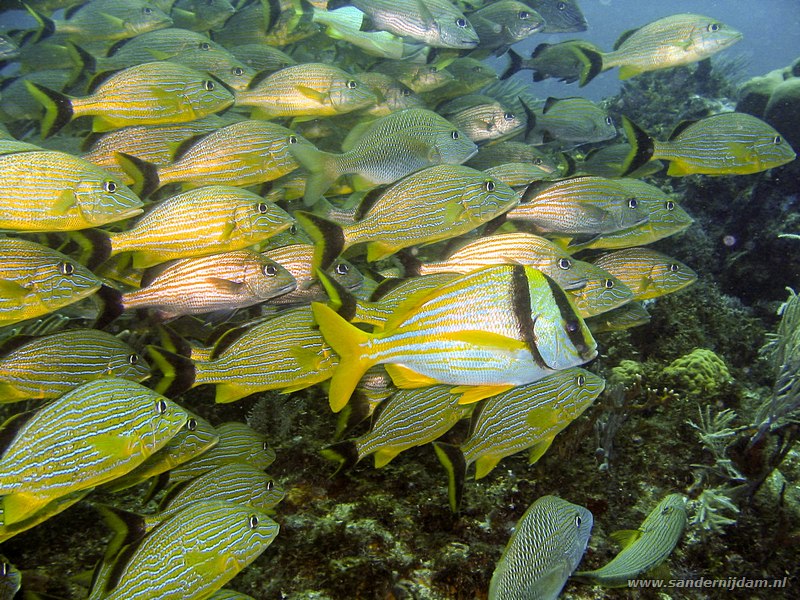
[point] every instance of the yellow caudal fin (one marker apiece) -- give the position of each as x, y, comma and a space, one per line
19, 506
348, 342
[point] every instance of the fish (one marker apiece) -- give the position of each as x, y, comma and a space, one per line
54, 191
547, 544
17, 103
503, 23
469, 76
201, 15
199, 222
10, 579
512, 152
392, 95
725, 144
205, 545
262, 58
430, 205
386, 150
580, 206
285, 353
195, 437
233, 482
664, 218
644, 548
306, 90
297, 259
494, 317
602, 293
239, 154
98, 431
608, 161
647, 273
527, 417
106, 20
671, 41
347, 23
630, 314
572, 122
151, 93
50, 510
418, 77
560, 16
483, 118
9, 50
518, 176
437, 23
223, 66
218, 282
514, 249
48, 366
36, 280
407, 419
564, 61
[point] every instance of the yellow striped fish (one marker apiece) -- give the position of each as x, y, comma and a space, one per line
647, 273
434, 204
672, 41
98, 431
190, 555
407, 419
579, 206
392, 95
572, 122
51, 365
219, 282
513, 152
603, 292
493, 329
417, 76
148, 94
207, 220
644, 548
240, 154
482, 118
35, 280
518, 175
725, 144
306, 90
54, 191
524, 418
631, 314
285, 353
51, 509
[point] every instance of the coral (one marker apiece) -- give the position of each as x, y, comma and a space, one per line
710, 508
699, 373
626, 373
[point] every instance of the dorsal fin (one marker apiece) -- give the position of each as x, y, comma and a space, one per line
15, 342
539, 49
90, 140
172, 492
258, 78
625, 35
11, 427
7, 82
227, 339
115, 47
149, 275
185, 145
72, 10
549, 103
386, 286
680, 128
368, 201
99, 80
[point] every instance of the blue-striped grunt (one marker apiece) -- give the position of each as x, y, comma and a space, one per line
647, 273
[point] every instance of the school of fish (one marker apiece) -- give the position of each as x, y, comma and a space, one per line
281, 194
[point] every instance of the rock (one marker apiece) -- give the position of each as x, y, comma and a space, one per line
783, 110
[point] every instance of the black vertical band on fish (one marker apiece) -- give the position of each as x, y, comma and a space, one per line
521, 301
574, 330
641, 147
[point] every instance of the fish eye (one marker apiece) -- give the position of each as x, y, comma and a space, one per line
133, 359
270, 270
524, 15
537, 161
433, 69
262, 207
342, 269
564, 263
237, 71
461, 22
147, 10
110, 186
578, 520
572, 326
265, 446
292, 139
777, 140
253, 521
454, 135
580, 380
489, 186
666, 510
270, 485
66, 268
608, 284
352, 84
669, 205
561, 6
712, 27
205, 46
191, 424
405, 92
508, 116
633, 203
609, 121
161, 406
674, 268
292, 229
209, 85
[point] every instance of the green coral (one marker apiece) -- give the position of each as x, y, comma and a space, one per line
626, 373
701, 372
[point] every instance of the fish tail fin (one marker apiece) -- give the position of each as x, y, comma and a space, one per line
47, 26
96, 244
514, 66
329, 241
452, 459
111, 306
642, 147
348, 342
592, 64
81, 57
177, 372
345, 453
340, 299
144, 174
322, 167
127, 527
57, 107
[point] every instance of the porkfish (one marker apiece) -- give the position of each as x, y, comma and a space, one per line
485, 332
91, 435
